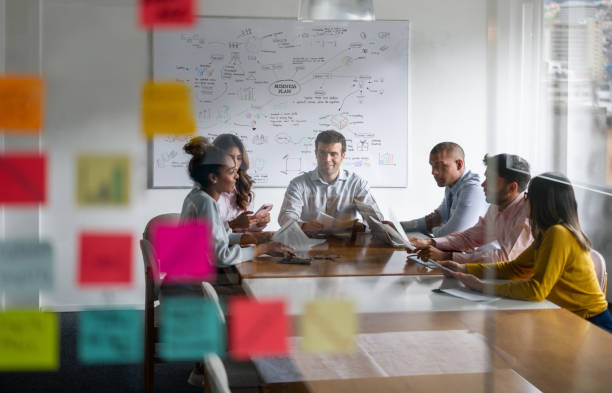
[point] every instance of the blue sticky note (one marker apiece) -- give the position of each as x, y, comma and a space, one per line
26, 265
110, 336
190, 328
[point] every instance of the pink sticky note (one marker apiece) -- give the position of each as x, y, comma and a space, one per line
257, 328
184, 251
167, 13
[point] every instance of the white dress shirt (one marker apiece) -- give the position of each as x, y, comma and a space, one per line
308, 194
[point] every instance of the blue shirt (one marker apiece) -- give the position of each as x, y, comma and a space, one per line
463, 203
308, 194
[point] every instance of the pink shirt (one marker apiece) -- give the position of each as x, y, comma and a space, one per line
228, 209
510, 227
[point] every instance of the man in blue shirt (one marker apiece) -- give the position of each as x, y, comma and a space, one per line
464, 200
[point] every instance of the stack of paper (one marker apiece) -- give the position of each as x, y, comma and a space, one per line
292, 235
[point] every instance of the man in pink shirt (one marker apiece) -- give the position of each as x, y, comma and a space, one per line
506, 221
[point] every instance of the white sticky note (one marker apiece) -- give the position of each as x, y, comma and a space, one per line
26, 264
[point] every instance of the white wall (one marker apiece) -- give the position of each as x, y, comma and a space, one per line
95, 59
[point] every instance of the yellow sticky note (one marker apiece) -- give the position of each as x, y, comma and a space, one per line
328, 326
21, 103
167, 109
29, 341
103, 179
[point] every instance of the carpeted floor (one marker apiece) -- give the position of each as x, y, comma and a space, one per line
74, 377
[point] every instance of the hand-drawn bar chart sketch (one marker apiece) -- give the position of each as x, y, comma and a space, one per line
277, 83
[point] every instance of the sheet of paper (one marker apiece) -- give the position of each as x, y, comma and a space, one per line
185, 251
29, 340
110, 337
190, 328
328, 326
21, 103
175, 13
390, 235
468, 294
105, 259
103, 180
259, 328
23, 178
167, 109
26, 265
390, 354
327, 220
291, 234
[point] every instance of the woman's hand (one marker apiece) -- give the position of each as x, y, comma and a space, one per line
430, 252
275, 249
420, 243
243, 222
454, 266
470, 281
262, 221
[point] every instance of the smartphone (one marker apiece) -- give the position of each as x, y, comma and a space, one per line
264, 209
296, 261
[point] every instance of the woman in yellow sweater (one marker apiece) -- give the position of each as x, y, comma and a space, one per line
557, 266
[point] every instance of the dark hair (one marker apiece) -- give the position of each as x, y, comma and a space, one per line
448, 147
510, 167
330, 136
552, 201
244, 195
206, 159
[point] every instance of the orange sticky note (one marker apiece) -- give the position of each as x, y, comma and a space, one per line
167, 109
21, 103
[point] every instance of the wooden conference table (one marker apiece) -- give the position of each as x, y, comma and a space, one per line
362, 256
532, 346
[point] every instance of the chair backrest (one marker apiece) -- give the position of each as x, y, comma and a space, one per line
599, 263
209, 292
216, 376
168, 218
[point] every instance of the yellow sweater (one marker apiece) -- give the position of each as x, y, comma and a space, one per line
559, 271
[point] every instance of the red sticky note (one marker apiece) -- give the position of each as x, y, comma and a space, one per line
21, 103
257, 328
167, 13
105, 258
22, 178
184, 251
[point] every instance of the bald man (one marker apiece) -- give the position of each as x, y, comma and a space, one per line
464, 200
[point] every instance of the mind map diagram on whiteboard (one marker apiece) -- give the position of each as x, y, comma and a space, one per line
277, 83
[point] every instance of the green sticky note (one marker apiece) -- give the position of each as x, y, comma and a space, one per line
110, 336
26, 265
190, 328
103, 180
29, 341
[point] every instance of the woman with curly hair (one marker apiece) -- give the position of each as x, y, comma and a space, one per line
236, 207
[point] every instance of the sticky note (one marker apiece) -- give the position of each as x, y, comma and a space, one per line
328, 326
190, 328
110, 336
29, 341
184, 251
167, 13
105, 258
25, 265
22, 176
103, 180
258, 328
167, 109
21, 103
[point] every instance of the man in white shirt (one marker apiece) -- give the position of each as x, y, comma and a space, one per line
328, 188
464, 201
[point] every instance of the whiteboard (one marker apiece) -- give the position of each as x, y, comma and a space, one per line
277, 83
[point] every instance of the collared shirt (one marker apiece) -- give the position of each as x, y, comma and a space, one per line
510, 227
463, 203
308, 194
228, 209
199, 205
